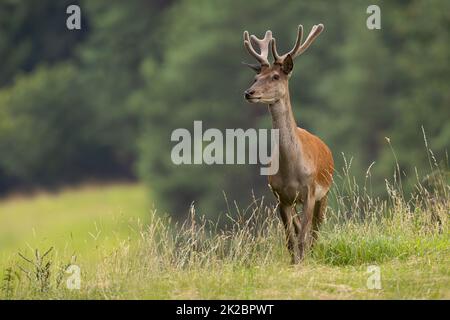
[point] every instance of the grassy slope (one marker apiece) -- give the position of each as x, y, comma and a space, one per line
130, 260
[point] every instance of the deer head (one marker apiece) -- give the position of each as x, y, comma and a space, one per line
271, 82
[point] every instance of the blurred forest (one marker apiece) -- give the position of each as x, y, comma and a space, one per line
101, 102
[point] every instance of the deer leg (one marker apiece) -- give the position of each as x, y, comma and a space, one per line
292, 239
296, 221
319, 215
306, 224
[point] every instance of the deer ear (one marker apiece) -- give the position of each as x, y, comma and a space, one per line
255, 67
287, 65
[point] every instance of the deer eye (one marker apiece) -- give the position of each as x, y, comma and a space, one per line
276, 77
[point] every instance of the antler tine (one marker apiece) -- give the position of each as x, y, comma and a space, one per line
263, 45
279, 59
298, 42
313, 34
275, 54
298, 48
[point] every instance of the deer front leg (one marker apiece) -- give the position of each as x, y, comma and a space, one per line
296, 221
291, 236
319, 215
306, 226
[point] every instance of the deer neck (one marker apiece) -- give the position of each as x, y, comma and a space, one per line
289, 145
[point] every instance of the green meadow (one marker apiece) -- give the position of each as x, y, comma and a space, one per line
127, 250
73, 221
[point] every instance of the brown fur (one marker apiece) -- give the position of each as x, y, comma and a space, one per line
320, 156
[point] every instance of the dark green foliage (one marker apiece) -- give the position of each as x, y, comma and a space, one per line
104, 101
46, 133
32, 33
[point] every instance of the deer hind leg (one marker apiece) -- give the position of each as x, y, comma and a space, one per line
319, 215
306, 226
291, 236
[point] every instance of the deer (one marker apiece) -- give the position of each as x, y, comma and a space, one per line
306, 165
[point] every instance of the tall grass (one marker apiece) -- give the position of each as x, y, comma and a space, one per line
198, 255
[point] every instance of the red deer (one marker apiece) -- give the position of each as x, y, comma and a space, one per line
305, 162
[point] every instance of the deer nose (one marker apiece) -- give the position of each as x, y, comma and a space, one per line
248, 93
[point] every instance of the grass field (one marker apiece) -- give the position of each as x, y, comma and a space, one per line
73, 220
127, 250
